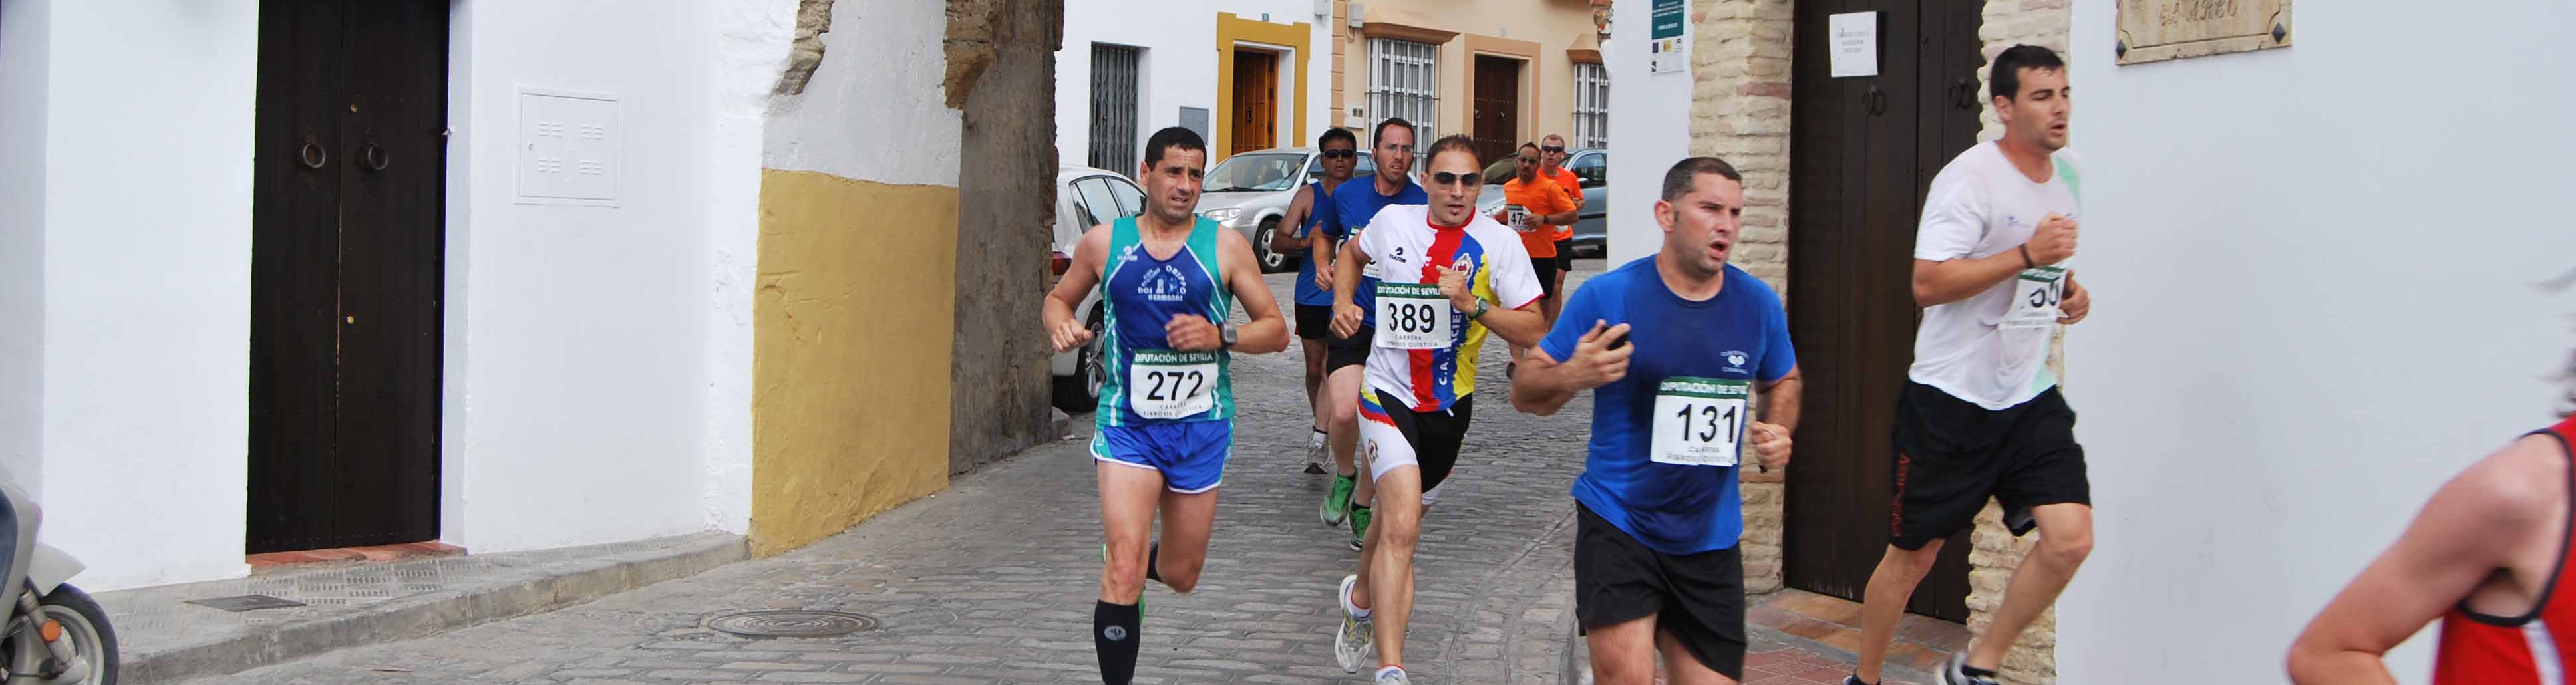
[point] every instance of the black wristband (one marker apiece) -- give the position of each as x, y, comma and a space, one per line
2026, 262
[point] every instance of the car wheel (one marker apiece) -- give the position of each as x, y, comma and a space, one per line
1080, 392
1271, 262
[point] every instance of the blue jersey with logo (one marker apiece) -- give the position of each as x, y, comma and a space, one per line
1741, 334
1140, 295
1321, 218
1355, 203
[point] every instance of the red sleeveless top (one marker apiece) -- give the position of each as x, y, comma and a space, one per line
2531, 648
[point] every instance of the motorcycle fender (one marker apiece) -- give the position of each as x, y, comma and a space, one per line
51, 568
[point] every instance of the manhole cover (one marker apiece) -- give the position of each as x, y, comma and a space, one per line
792, 623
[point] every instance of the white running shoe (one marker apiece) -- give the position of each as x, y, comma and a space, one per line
1393, 676
1356, 640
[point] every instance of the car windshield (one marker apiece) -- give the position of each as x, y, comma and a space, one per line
1255, 172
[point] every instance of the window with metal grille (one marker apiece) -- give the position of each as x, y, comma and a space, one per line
1404, 81
1114, 107
1591, 105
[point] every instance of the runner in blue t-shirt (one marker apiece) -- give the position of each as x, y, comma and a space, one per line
1346, 359
1692, 372
1310, 214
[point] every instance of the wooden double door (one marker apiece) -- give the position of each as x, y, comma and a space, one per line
1864, 150
348, 224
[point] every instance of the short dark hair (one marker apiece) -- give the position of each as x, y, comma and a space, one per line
1529, 146
2005, 79
1174, 137
1452, 143
1336, 133
1380, 135
1685, 175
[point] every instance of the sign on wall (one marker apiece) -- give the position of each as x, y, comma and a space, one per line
1665, 52
2157, 30
1855, 49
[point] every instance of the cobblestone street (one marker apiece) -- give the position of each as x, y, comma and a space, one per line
992, 580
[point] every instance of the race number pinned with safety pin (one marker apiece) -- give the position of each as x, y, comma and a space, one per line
2035, 297
1169, 384
1701, 421
1412, 316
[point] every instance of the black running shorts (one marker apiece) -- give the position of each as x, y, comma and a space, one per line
1951, 454
1696, 598
1314, 322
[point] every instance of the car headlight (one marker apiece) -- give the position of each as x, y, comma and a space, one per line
1222, 215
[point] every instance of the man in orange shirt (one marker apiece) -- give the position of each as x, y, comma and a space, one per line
1542, 206
1552, 156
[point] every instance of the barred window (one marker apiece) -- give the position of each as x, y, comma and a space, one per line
1591, 105
1404, 81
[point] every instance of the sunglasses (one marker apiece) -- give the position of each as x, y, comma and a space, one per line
1466, 179
1526, 160
1340, 154
1552, 149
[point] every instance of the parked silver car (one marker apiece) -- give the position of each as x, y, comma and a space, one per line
1085, 197
1249, 191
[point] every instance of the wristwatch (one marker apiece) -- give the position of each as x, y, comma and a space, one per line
1481, 308
1227, 334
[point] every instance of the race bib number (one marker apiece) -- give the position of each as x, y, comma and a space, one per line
1166, 384
1701, 421
1412, 316
1518, 217
2035, 297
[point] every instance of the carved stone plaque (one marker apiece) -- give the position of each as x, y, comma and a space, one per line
2157, 30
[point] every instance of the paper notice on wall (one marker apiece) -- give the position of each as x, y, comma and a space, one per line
1855, 43
1665, 52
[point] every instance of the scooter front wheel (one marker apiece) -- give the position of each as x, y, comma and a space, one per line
85, 630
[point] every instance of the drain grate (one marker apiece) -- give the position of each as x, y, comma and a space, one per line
792, 623
246, 603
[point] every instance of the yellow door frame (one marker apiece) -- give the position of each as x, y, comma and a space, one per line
1232, 31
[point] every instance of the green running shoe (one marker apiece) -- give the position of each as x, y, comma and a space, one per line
1337, 502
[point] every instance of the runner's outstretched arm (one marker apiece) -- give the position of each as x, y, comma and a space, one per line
2468, 532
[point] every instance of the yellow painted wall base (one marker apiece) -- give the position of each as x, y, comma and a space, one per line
852, 336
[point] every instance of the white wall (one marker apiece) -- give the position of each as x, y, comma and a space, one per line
1649, 129
751, 51
881, 86
25, 62
146, 305
2314, 272
1179, 68
581, 364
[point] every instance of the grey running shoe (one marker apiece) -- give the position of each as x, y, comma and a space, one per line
1393, 677
1955, 672
1356, 640
1315, 451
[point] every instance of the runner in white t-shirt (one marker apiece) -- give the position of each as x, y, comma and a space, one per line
1981, 415
1446, 276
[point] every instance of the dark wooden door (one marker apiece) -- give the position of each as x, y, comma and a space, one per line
1498, 106
1256, 104
1863, 151
346, 274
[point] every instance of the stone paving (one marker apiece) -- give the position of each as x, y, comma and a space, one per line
992, 581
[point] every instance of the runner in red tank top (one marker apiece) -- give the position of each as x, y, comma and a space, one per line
2484, 556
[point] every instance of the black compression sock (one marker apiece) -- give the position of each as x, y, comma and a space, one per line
1113, 636
1975, 672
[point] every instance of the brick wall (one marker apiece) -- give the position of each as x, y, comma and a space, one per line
1740, 111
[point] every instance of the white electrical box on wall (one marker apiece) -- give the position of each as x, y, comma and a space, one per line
568, 149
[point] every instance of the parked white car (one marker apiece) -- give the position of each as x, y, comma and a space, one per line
1086, 197
1249, 192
